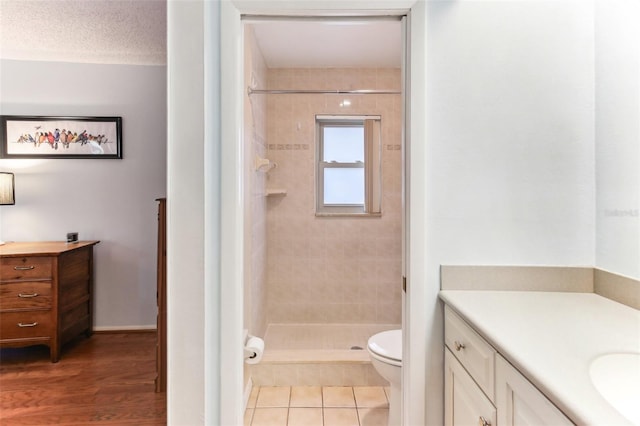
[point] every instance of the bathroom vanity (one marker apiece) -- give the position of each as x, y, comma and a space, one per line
532, 358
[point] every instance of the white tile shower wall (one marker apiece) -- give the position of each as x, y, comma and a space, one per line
331, 269
255, 129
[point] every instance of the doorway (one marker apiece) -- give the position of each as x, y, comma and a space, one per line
322, 254
414, 315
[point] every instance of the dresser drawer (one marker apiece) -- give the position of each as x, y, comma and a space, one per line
25, 295
25, 325
24, 268
473, 352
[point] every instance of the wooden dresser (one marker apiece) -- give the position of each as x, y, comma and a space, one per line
46, 293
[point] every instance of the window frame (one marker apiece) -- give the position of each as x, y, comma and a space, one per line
371, 165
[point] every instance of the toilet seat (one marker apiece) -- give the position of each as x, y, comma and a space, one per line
387, 347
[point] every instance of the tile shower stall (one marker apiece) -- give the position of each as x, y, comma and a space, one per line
316, 287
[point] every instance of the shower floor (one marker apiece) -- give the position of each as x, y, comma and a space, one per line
318, 355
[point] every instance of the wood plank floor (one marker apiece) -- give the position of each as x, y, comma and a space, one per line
107, 379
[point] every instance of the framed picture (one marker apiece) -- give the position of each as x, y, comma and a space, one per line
60, 137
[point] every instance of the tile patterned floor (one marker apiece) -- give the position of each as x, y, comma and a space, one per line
317, 406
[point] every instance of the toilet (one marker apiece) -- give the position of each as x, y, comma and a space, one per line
385, 351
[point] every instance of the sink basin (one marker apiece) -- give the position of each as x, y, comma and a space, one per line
617, 377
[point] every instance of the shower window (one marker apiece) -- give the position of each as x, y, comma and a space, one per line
348, 166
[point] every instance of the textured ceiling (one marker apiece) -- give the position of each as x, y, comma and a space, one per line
91, 31
135, 32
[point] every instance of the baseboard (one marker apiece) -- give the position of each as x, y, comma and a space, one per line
125, 329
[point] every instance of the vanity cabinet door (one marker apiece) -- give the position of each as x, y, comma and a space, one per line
520, 403
465, 403
473, 352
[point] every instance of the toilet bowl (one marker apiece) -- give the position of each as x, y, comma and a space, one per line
385, 351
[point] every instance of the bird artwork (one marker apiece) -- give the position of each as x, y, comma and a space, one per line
62, 136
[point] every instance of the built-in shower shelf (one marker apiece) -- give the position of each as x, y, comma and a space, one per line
276, 191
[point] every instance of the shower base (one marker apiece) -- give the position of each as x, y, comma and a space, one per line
318, 355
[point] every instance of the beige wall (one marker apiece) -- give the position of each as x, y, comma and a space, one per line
255, 127
330, 269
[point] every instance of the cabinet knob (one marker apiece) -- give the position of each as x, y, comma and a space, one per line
459, 346
483, 422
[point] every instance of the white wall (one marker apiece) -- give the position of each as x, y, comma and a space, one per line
108, 200
617, 85
510, 110
193, 215
510, 143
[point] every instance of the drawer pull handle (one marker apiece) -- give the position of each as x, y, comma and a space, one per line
27, 296
459, 346
483, 422
31, 324
24, 268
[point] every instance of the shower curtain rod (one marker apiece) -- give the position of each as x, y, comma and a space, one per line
251, 91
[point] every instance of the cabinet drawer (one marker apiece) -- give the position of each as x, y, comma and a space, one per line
473, 352
22, 268
25, 295
25, 325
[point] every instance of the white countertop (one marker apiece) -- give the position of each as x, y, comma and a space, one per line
552, 338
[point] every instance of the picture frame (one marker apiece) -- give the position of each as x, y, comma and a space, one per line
60, 137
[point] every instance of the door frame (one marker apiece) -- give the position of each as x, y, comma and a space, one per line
415, 333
